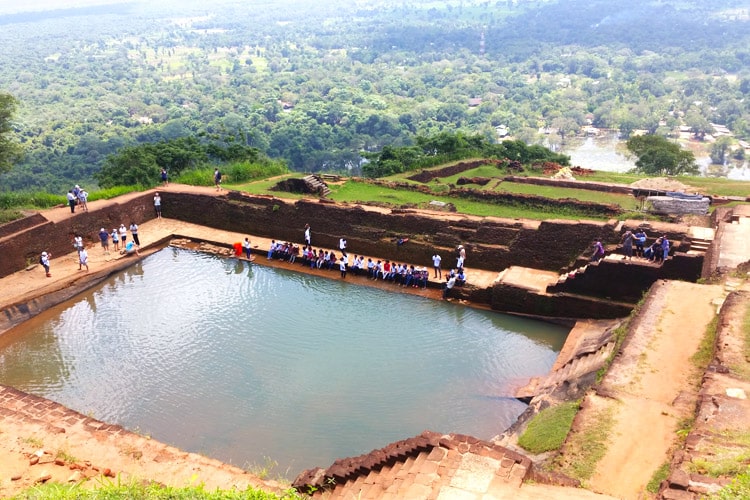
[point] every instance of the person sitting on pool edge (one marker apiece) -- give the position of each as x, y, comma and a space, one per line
130, 249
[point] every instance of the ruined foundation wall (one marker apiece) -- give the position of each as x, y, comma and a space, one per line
22, 248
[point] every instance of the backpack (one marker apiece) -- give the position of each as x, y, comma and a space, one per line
41, 260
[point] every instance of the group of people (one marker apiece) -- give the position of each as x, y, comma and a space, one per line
635, 243
401, 274
78, 197
120, 242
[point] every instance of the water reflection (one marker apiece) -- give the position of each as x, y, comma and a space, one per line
242, 362
598, 153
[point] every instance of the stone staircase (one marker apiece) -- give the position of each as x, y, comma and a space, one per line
430, 465
316, 185
700, 239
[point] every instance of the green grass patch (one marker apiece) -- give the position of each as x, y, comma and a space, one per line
137, 491
587, 446
548, 429
361, 192
727, 455
740, 488
717, 186
658, 476
627, 202
196, 177
705, 352
743, 369
612, 177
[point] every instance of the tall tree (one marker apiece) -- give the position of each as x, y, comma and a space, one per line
10, 150
658, 155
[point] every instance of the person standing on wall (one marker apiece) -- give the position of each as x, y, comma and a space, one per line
627, 244
104, 238
307, 234
116, 239
134, 232
83, 260
164, 180
246, 246
436, 265
78, 242
123, 235
342, 245
72, 200
44, 261
157, 205
83, 198
217, 179
342, 266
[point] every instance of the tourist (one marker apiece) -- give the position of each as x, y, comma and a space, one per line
115, 239
459, 262
134, 232
307, 234
83, 260
271, 250
449, 284
640, 242
72, 200
83, 197
436, 266
217, 179
123, 234
157, 205
104, 238
78, 242
246, 246
598, 251
665, 247
655, 251
76, 190
342, 266
44, 261
164, 180
460, 278
342, 245
627, 244
130, 249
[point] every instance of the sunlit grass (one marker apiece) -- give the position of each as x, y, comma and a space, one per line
548, 429
145, 491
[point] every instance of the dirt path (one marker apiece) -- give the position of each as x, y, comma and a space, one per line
652, 386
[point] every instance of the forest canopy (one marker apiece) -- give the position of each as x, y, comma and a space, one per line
321, 85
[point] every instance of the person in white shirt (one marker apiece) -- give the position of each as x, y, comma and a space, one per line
449, 286
134, 232
123, 234
436, 266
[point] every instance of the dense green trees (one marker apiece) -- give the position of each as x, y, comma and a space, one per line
446, 147
316, 84
10, 150
142, 164
658, 155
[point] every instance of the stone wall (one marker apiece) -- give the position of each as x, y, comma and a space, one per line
622, 281
492, 243
24, 247
512, 299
